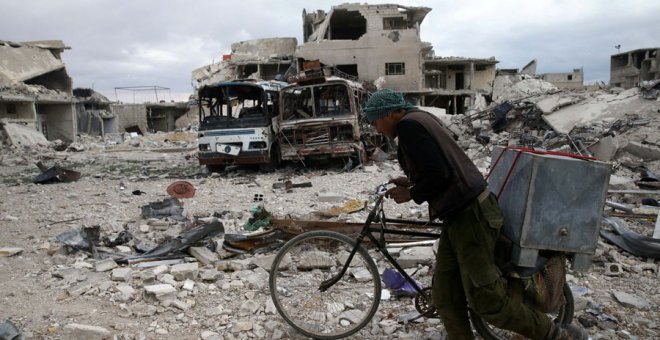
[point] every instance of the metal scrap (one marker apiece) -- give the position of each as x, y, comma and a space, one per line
55, 174
169, 207
630, 241
175, 246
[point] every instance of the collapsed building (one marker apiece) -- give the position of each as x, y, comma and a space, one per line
35, 89
257, 59
629, 69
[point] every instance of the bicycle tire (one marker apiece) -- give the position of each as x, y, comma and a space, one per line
490, 332
299, 268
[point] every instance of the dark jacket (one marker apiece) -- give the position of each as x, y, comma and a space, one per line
441, 173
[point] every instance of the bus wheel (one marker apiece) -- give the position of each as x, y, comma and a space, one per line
273, 160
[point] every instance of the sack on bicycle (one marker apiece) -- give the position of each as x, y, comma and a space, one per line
540, 287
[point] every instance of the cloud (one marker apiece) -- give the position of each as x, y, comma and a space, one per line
153, 42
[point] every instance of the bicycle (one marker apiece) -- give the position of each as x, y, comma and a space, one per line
326, 285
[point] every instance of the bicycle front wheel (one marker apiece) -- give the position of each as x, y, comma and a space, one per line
295, 279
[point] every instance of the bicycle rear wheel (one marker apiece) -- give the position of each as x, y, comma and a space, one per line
297, 272
489, 332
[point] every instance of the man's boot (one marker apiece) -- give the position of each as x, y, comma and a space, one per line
566, 332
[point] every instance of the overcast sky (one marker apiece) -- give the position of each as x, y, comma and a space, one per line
139, 43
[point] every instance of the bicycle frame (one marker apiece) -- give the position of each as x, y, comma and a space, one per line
377, 214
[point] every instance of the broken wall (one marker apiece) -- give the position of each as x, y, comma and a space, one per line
17, 110
162, 117
56, 121
263, 49
130, 115
628, 69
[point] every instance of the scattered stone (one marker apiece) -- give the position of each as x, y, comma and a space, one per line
613, 269
248, 308
105, 265
630, 300
411, 257
122, 274
124, 293
185, 271
75, 331
189, 285
162, 269
209, 335
167, 279
330, 197
242, 326
210, 275
10, 251
160, 292
203, 255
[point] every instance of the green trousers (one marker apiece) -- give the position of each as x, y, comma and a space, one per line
465, 271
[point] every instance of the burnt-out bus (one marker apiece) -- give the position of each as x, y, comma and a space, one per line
238, 124
321, 119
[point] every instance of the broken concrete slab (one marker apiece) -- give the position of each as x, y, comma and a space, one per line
552, 103
645, 151
19, 134
204, 255
631, 300
604, 149
605, 105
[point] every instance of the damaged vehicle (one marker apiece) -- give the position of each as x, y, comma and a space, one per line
238, 123
320, 119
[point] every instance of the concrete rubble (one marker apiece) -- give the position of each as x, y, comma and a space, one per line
206, 291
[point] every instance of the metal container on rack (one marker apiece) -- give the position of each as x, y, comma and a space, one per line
550, 202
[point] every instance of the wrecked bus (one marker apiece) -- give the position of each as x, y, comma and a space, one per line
237, 124
321, 120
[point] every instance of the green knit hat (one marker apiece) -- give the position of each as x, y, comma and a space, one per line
384, 101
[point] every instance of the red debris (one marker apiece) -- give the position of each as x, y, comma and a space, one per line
181, 189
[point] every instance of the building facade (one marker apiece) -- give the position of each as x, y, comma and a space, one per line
628, 69
381, 44
35, 89
566, 80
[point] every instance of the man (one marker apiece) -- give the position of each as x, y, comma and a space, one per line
440, 173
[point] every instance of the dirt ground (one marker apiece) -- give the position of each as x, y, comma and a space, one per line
48, 287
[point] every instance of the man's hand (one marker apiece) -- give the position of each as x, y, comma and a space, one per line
400, 181
399, 194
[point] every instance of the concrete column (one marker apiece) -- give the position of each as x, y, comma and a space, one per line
471, 75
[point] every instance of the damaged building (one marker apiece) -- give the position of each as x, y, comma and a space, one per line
254, 59
93, 113
565, 80
629, 69
149, 117
35, 89
381, 44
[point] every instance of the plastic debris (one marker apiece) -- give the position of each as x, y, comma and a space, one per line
400, 287
260, 218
